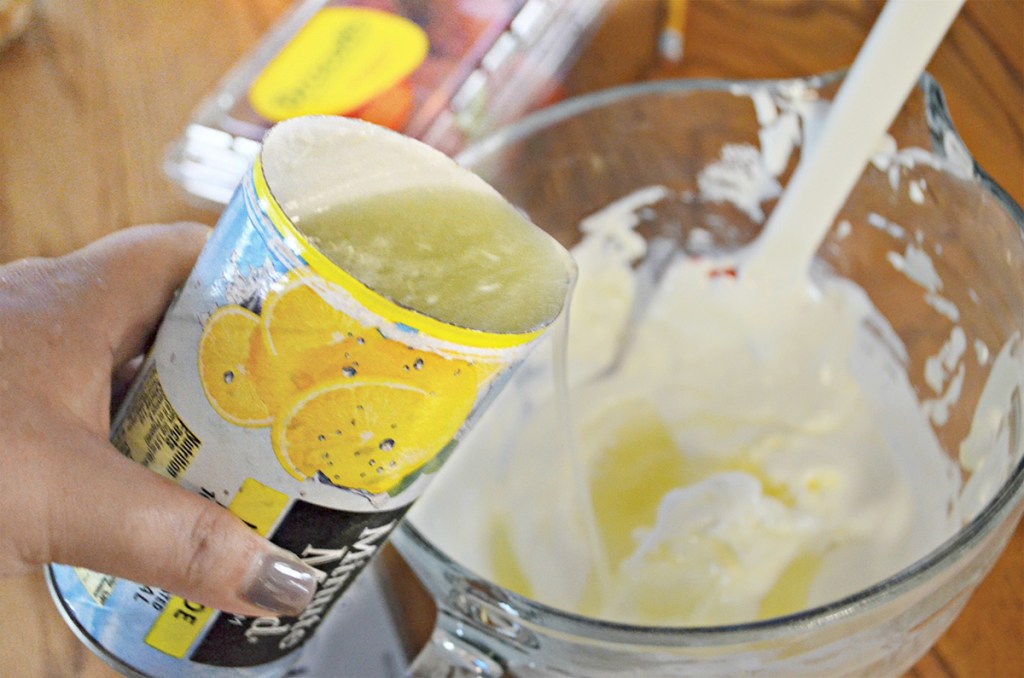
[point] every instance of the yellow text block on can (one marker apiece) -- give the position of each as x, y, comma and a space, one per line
178, 626
258, 505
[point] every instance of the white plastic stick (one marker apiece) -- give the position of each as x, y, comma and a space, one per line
888, 66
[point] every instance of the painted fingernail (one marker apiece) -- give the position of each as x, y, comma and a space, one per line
280, 583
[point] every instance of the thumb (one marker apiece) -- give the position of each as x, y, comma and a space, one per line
111, 515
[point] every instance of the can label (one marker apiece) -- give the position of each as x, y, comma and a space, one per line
308, 405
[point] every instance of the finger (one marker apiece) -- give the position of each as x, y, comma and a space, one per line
116, 517
131, 277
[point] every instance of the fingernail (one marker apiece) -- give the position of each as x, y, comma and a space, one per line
280, 583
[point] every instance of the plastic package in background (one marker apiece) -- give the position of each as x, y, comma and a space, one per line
443, 71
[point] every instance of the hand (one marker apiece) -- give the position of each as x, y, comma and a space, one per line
67, 326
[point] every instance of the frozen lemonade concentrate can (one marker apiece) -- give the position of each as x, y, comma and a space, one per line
358, 301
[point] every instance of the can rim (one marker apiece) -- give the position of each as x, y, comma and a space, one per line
374, 301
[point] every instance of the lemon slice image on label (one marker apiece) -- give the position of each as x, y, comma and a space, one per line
297, 317
224, 372
364, 434
300, 341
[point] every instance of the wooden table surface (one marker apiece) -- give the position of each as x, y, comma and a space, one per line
95, 89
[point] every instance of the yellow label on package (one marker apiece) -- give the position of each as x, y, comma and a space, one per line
340, 60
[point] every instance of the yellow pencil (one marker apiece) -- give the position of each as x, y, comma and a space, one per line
672, 38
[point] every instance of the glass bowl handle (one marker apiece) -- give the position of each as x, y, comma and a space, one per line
450, 654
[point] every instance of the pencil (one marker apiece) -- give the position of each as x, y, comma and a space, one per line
672, 38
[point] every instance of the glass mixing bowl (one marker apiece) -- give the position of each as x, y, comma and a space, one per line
575, 158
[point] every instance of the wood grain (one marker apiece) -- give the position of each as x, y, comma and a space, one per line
96, 89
